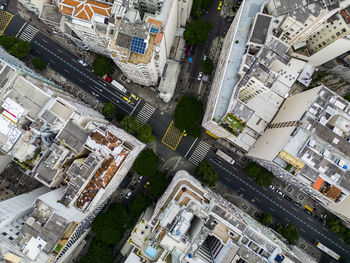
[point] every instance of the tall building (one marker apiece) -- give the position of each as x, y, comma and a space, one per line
307, 145
280, 42
190, 223
69, 148
137, 35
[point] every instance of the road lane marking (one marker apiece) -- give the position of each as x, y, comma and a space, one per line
21, 28
81, 80
191, 147
135, 107
302, 230
309, 219
242, 189
59, 50
272, 209
295, 209
279, 198
43, 39
66, 70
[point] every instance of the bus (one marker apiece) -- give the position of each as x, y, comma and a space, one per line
225, 156
119, 86
326, 250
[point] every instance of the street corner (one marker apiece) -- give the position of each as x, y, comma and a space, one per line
5, 18
172, 136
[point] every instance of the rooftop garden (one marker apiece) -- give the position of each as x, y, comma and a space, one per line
233, 124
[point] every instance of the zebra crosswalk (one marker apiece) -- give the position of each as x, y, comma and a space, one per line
199, 153
145, 113
28, 33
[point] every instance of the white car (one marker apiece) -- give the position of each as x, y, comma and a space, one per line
200, 75
81, 61
140, 178
128, 195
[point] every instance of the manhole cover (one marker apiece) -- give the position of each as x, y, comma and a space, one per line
301, 197
244, 207
289, 189
256, 215
302, 246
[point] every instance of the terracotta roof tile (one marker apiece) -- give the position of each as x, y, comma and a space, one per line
154, 22
158, 39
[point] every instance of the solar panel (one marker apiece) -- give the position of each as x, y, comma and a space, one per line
138, 45
154, 30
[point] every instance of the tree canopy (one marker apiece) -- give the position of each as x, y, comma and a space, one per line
157, 184
146, 164
188, 115
207, 66
253, 169
262, 176
133, 125
102, 65
38, 64
15, 46
206, 173
289, 232
108, 110
265, 218
197, 7
196, 32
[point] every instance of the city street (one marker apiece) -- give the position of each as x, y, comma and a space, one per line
195, 150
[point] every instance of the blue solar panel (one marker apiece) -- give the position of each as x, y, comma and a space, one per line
154, 30
138, 45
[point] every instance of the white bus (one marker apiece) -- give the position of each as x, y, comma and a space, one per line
326, 250
225, 156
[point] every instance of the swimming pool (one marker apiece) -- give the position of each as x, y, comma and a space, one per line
152, 252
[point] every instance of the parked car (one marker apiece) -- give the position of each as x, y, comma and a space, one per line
220, 5
318, 218
289, 199
140, 178
296, 204
3, 6
272, 187
134, 96
278, 191
126, 99
133, 187
82, 62
107, 78
200, 75
128, 195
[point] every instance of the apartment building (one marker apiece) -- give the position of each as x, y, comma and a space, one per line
317, 31
190, 223
307, 145
72, 150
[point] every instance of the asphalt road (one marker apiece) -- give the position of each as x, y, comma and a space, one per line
66, 64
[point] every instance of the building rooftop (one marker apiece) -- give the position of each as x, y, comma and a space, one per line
85, 9
50, 13
261, 26
73, 136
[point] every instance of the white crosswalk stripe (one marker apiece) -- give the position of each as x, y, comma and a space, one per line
28, 33
145, 113
199, 153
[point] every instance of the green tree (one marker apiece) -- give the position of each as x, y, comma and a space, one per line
196, 9
145, 134
188, 115
333, 224
207, 66
119, 116
206, 4
265, 218
138, 204
146, 164
253, 169
264, 178
20, 49
97, 253
347, 97
102, 65
131, 124
289, 232
196, 32
7, 41
108, 110
38, 64
157, 184
206, 173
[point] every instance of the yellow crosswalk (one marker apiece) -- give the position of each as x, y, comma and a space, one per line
172, 136
5, 18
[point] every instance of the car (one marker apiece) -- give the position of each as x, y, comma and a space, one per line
272, 187
55, 32
318, 218
134, 96
128, 195
3, 6
296, 204
220, 5
205, 57
289, 199
133, 187
308, 212
82, 62
278, 191
107, 78
140, 178
126, 99
200, 75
